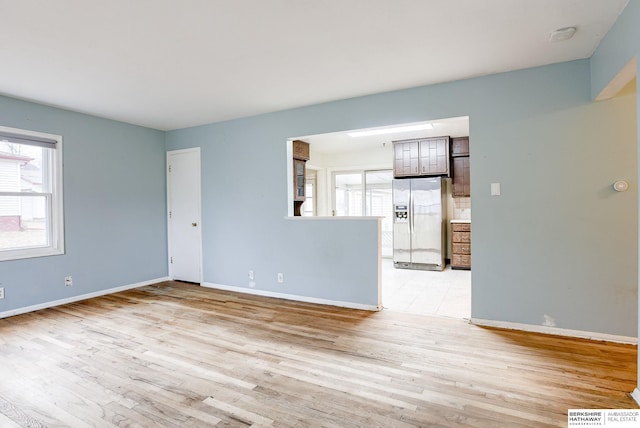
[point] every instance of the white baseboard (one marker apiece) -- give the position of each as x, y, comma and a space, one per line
293, 297
636, 395
78, 298
555, 331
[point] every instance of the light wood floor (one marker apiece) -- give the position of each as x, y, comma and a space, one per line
180, 355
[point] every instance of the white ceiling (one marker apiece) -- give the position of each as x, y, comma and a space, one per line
170, 64
341, 142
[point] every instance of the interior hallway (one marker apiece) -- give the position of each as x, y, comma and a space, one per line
445, 294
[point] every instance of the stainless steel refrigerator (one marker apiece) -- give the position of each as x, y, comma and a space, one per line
419, 221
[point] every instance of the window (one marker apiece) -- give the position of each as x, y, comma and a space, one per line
375, 200
379, 203
309, 206
347, 193
31, 216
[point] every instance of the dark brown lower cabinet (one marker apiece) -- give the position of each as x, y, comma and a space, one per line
460, 245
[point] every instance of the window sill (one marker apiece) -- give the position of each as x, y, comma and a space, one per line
29, 254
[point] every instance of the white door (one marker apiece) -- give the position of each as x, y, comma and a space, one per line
183, 188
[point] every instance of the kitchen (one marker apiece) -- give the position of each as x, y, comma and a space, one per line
353, 174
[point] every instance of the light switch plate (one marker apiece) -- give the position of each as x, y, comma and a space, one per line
495, 189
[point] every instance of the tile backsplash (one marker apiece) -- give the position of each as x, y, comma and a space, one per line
462, 208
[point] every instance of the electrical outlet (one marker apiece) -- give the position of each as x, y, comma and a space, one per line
68, 281
252, 277
1, 292
280, 277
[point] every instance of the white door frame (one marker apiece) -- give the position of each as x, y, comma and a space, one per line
170, 153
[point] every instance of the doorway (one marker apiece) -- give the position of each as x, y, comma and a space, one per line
422, 292
184, 228
352, 172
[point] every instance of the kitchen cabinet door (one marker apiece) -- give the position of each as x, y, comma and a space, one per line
461, 246
419, 157
460, 146
299, 180
461, 177
434, 159
406, 158
300, 150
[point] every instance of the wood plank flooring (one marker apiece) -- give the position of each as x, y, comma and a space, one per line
175, 354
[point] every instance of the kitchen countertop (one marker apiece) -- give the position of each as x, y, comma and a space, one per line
461, 221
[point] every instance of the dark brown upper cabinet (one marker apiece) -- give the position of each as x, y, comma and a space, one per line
461, 167
460, 146
461, 177
300, 150
423, 156
300, 158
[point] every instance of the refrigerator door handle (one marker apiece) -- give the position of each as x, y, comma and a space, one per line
410, 213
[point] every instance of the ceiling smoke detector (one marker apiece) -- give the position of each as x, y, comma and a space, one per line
562, 34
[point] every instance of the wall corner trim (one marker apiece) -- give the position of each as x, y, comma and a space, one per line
636, 395
293, 297
73, 299
555, 331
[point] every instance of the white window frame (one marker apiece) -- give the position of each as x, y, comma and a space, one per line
311, 197
363, 181
334, 196
55, 211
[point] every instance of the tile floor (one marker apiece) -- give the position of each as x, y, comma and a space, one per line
446, 293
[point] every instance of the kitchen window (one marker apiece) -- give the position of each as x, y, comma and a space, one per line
31, 212
347, 192
309, 206
366, 193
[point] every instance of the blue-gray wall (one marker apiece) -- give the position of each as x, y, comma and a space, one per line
617, 48
114, 207
557, 248
244, 206
620, 45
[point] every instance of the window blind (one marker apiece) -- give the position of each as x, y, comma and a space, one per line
31, 140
